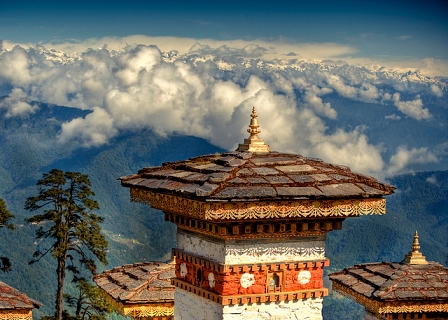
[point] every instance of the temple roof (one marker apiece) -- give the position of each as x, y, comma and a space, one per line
139, 283
253, 172
412, 279
11, 298
388, 281
256, 176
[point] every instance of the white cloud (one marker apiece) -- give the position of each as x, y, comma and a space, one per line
92, 131
311, 99
412, 108
436, 90
270, 50
432, 179
16, 105
405, 157
350, 148
207, 90
393, 117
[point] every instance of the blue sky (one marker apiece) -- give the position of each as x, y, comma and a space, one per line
197, 68
393, 29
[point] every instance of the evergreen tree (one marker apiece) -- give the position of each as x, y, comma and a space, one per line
88, 304
68, 219
5, 216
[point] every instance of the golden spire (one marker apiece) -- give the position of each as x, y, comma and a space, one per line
253, 143
415, 256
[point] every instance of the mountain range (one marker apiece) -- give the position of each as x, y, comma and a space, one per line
135, 232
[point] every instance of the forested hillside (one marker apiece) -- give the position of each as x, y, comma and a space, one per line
29, 148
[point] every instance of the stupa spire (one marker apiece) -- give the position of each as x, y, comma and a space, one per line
253, 143
415, 256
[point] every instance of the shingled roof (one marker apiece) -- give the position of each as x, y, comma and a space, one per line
254, 176
138, 283
390, 285
388, 281
13, 299
253, 172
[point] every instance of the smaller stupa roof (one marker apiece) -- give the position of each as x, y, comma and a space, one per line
414, 281
139, 283
13, 299
253, 173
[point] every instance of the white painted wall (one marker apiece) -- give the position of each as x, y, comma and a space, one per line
189, 306
307, 309
252, 252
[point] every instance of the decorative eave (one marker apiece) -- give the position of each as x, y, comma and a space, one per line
140, 310
256, 210
385, 307
16, 314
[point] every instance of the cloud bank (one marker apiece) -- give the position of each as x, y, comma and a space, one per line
208, 91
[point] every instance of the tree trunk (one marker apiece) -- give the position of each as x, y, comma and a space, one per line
60, 292
79, 305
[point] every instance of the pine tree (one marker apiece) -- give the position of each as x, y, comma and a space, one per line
68, 219
5, 216
88, 304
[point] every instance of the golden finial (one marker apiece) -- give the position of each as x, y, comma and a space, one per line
415, 256
253, 143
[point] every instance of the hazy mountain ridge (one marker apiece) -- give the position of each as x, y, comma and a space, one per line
379, 73
135, 232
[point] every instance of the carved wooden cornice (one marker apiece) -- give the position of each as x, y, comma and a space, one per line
262, 229
17, 314
237, 211
137, 311
250, 298
387, 307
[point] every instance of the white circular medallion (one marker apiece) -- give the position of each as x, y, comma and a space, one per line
183, 269
304, 277
211, 280
247, 280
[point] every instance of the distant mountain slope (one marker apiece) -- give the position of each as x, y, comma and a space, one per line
136, 232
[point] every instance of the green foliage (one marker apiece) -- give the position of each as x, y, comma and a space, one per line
5, 217
69, 221
89, 303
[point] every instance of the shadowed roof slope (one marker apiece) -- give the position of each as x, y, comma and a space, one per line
140, 290
256, 176
11, 298
388, 281
138, 283
413, 285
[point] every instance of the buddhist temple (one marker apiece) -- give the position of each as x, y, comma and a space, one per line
15, 304
410, 289
139, 291
251, 227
